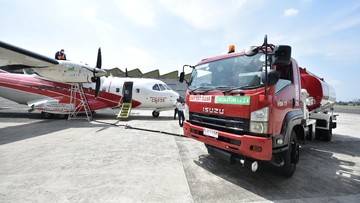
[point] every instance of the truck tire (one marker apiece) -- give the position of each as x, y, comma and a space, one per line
327, 134
290, 156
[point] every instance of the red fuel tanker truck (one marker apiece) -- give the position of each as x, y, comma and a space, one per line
257, 105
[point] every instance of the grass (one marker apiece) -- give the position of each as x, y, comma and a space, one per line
347, 107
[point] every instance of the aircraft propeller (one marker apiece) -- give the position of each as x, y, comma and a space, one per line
98, 73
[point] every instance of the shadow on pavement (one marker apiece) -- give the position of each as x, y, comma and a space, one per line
37, 127
320, 173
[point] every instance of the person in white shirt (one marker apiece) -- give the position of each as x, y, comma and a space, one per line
180, 107
175, 109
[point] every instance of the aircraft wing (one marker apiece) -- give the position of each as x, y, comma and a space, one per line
13, 56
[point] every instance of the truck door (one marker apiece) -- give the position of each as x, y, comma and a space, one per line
127, 92
287, 94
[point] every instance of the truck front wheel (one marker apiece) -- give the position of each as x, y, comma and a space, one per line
290, 156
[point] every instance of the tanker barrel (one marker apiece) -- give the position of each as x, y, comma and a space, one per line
318, 89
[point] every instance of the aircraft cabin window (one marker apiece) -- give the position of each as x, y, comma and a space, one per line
137, 90
162, 88
54, 88
39, 88
117, 89
61, 88
156, 87
46, 88
89, 89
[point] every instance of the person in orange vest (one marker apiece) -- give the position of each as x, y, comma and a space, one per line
60, 55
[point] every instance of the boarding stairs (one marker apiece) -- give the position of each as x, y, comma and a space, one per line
125, 109
78, 90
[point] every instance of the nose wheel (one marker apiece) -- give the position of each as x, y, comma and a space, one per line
155, 114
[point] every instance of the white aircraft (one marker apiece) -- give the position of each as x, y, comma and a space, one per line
52, 97
14, 57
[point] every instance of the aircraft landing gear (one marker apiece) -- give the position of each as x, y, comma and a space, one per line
155, 114
46, 115
62, 116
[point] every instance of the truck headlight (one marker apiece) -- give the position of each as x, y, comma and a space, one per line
259, 121
186, 112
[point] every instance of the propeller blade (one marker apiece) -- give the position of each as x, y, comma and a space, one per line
98, 73
98, 61
97, 87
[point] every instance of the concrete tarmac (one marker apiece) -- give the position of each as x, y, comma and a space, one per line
104, 161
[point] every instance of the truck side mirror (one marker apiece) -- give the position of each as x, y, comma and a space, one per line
182, 76
282, 55
272, 78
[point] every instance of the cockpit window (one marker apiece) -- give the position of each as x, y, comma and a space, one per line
156, 87
241, 72
162, 88
167, 87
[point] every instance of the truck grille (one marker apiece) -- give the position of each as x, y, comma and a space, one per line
222, 123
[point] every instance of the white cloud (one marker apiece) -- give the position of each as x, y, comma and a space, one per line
134, 57
139, 11
90, 15
290, 12
204, 14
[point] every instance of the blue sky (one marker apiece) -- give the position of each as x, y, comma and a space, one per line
165, 34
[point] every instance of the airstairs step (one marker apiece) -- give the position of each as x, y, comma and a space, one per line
125, 110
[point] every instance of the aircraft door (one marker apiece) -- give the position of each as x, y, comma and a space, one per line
127, 92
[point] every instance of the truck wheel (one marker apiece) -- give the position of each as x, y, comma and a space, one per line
318, 134
327, 134
291, 156
155, 114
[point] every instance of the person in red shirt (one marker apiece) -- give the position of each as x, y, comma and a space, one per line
60, 55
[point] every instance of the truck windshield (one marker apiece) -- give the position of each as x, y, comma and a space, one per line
239, 72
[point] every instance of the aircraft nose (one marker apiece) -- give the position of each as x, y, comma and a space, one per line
99, 72
175, 94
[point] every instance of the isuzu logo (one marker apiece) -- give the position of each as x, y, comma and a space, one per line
213, 110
